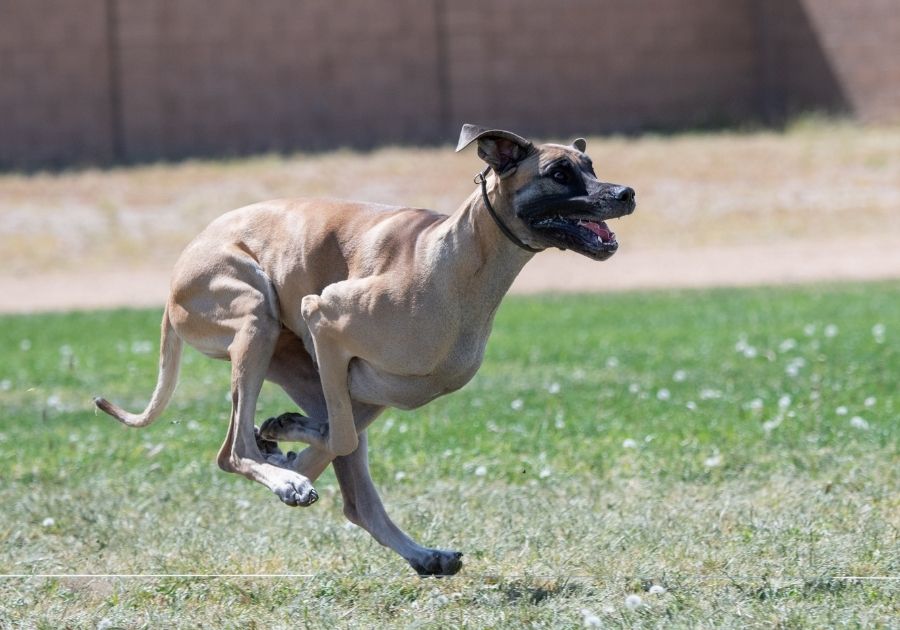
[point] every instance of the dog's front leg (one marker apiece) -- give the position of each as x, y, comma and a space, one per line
333, 361
363, 507
311, 461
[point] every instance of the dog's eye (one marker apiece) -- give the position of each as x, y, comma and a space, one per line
560, 176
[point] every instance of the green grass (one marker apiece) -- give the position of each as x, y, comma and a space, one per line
701, 441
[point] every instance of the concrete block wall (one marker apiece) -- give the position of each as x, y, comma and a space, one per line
54, 91
582, 66
100, 81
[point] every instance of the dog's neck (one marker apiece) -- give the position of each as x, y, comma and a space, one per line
486, 260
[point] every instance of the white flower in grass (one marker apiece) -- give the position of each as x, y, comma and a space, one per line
691, 405
870, 401
656, 589
841, 411
589, 619
784, 402
714, 461
794, 365
48, 522
663, 394
553, 388
770, 425
634, 388
481, 471
517, 404
787, 345
25, 345
612, 362
5, 385
831, 331
745, 348
560, 421
756, 404
878, 331
809, 330
710, 394
629, 443
633, 602
859, 423
545, 472
403, 428
679, 376
399, 475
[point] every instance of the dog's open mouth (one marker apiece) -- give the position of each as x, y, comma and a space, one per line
590, 237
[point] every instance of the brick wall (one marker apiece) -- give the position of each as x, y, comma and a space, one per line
113, 80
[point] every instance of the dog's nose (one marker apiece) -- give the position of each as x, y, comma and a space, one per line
624, 193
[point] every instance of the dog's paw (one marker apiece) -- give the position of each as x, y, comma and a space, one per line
297, 492
437, 562
268, 448
295, 427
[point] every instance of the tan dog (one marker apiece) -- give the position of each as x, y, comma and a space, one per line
355, 307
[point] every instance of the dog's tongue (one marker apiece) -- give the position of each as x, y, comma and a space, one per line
599, 228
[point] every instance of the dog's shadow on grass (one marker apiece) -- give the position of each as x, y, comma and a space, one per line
537, 591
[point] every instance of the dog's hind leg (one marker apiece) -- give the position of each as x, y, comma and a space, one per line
292, 369
363, 506
250, 354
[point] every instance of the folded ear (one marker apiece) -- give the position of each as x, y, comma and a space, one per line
580, 144
502, 150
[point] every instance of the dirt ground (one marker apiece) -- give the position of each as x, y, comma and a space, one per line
819, 202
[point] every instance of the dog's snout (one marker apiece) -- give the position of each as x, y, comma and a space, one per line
624, 193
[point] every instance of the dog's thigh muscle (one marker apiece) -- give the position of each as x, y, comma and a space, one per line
213, 293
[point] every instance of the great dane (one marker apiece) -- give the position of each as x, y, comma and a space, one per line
355, 307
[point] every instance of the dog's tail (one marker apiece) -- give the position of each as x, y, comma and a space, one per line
170, 345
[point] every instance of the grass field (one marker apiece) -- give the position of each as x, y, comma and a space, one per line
738, 448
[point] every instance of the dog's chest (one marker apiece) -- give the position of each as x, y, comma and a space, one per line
414, 387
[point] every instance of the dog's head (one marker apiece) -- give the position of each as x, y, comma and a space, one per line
552, 195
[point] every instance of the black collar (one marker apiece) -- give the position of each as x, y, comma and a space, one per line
480, 179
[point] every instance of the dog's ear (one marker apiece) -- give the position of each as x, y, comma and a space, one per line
580, 144
502, 150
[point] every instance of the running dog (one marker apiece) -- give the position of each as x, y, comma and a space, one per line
355, 307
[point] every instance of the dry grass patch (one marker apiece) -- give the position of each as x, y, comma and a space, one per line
825, 181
